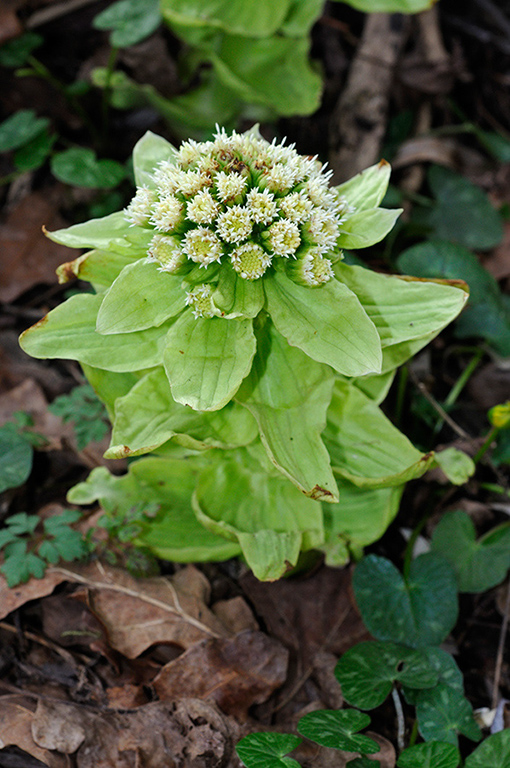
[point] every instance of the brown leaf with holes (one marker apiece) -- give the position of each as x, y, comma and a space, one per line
184, 734
234, 672
138, 613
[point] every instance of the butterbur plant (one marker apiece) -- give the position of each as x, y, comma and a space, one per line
228, 339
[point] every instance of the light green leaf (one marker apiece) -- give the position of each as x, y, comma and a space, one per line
375, 387
368, 670
327, 323
131, 21
206, 359
97, 267
289, 395
365, 228
268, 750
360, 518
456, 465
150, 150
108, 386
236, 297
417, 611
460, 202
147, 417
20, 128
110, 233
389, 6
236, 16
364, 446
69, 331
434, 754
81, 168
338, 729
140, 297
301, 17
273, 71
486, 315
366, 189
269, 518
479, 564
494, 751
407, 313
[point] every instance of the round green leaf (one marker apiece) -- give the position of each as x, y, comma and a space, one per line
21, 128
419, 611
456, 465
81, 168
494, 752
268, 750
16, 453
479, 564
434, 754
442, 712
131, 21
367, 672
337, 728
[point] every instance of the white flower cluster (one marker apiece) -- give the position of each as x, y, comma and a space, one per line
242, 201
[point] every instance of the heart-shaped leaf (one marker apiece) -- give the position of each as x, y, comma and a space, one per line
479, 564
442, 712
434, 754
417, 611
367, 672
81, 168
494, 752
268, 750
338, 729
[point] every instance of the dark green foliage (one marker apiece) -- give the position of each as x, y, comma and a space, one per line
82, 407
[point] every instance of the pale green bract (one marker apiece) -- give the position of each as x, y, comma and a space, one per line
226, 336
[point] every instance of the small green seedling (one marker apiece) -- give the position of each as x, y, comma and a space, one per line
85, 411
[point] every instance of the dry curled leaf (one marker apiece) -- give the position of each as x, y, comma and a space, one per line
15, 731
234, 672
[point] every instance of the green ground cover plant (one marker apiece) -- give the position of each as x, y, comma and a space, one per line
228, 339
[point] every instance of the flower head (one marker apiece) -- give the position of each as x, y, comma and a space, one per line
239, 202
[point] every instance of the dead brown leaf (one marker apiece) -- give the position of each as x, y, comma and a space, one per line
138, 613
188, 734
29, 257
234, 672
15, 731
30, 398
12, 598
235, 614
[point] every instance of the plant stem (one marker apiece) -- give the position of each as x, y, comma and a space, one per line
486, 444
401, 725
414, 734
408, 555
459, 385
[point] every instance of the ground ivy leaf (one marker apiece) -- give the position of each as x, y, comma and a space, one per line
130, 20
327, 323
147, 417
239, 498
364, 446
417, 611
442, 712
206, 359
20, 128
81, 168
494, 751
366, 189
407, 313
367, 672
337, 729
447, 670
361, 517
150, 150
289, 395
479, 564
140, 297
268, 750
434, 754
69, 331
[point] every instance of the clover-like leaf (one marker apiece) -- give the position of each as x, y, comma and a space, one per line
442, 712
248, 502
288, 395
479, 564
140, 297
368, 671
338, 729
328, 324
206, 359
494, 751
20, 128
268, 750
433, 754
417, 611
81, 168
130, 20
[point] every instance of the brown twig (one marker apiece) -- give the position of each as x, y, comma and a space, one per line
501, 648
